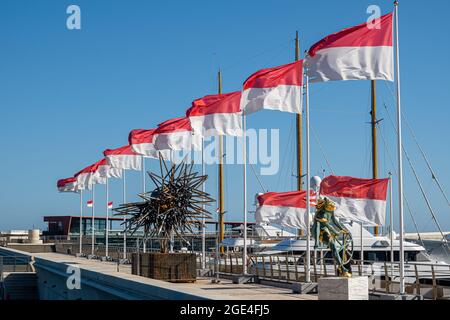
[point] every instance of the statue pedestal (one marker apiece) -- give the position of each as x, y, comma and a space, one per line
337, 288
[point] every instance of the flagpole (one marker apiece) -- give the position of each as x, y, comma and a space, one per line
81, 222
308, 185
391, 222
143, 174
399, 154
203, 205
144, 247
124, 217
93, 218
244, 152
107, 219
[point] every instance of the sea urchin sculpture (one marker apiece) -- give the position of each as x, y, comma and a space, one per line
173, 207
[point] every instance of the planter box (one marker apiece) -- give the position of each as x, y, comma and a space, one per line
173, 267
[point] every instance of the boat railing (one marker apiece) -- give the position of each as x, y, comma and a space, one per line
430, 280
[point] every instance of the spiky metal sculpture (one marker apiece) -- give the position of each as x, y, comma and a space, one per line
173, 207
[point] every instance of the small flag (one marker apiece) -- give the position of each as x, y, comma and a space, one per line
90, 203
110, 205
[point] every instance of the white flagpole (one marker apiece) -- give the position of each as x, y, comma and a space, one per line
308, 186
124, 217
203, 219
144, 248
244, 153
93, 218
81, 222
107, 219
399, 154
143, 174
391, 222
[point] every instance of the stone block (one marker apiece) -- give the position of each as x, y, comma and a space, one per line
340, 288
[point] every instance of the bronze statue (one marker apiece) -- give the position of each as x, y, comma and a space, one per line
329, 233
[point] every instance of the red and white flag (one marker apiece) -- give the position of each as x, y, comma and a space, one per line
90, 203
67, 185
363, 52
278, 88
218, 114
123, 158
96, 174
284, 208
85, 177
142, 142
110, 205
104, 170
357, 199
176, 134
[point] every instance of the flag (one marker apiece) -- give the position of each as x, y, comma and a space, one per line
278, 88
218, 114
176, 134
357, 199
142, 142
287, 209
85, 177
96, 174
123, 158
110, 205
90, 203
104, 170
67, 185
363, 52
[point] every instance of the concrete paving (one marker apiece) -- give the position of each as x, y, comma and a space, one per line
225, 290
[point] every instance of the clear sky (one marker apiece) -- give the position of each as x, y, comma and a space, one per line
66, 95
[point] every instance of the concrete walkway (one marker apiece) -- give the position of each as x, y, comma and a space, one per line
202, 289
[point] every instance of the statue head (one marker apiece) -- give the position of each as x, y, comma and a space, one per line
325, 204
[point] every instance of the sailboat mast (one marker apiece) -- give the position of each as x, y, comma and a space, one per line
373, 122
299, 133
221, 189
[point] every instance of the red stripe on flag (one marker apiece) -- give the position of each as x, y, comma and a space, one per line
174, 125
217, 103
125, 150
295, 199
358, 36
350, 187
138, 136
287, 74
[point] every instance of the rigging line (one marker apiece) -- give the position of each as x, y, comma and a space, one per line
321, 149
285, 153
257, 178
281, 46
427, 201
433, 174
404, 195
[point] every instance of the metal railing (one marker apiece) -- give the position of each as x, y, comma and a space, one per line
429, 280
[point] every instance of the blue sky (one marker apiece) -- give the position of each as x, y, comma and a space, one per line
66, 95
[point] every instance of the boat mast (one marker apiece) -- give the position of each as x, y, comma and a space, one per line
374, 122
221, 190
299, 133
